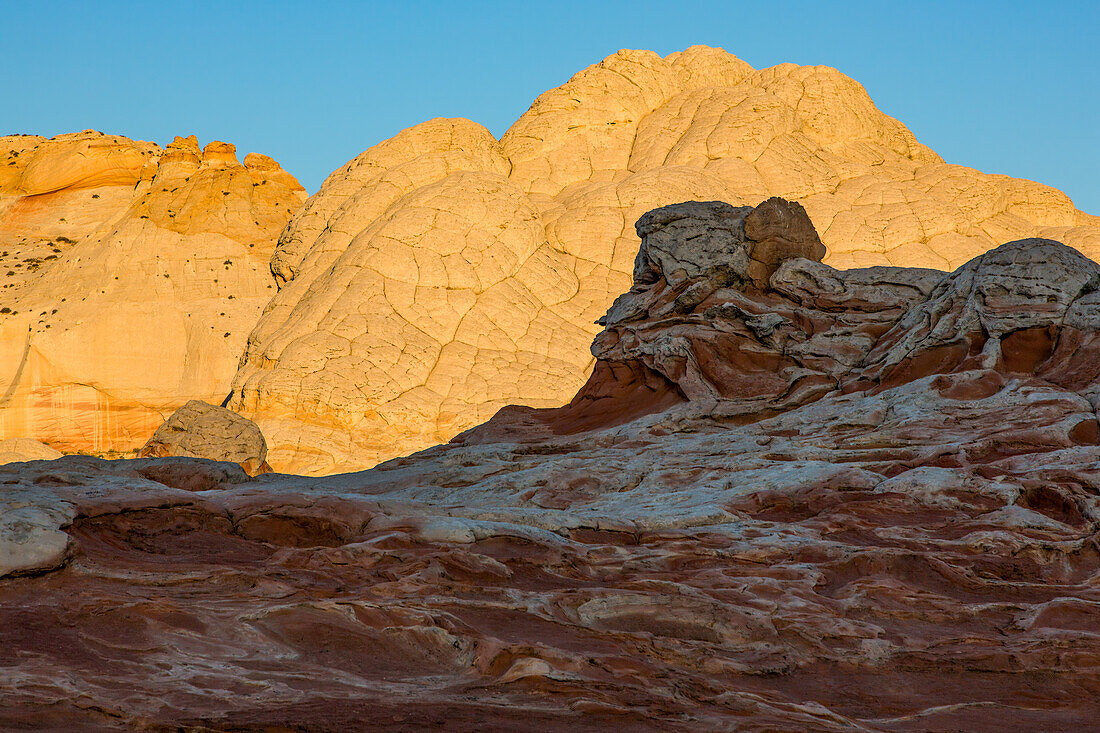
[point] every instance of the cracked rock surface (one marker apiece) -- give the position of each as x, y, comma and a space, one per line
849, 500
443, 273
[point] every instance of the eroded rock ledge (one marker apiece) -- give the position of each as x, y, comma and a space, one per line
789, 498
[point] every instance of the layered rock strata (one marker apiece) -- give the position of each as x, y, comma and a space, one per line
844, 500
443, 273
130, 276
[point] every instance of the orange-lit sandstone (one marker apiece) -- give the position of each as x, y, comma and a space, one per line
130, 276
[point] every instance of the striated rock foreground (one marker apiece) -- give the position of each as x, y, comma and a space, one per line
788, 498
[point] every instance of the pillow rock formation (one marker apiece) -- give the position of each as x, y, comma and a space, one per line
443, 273
788, 498
130, 276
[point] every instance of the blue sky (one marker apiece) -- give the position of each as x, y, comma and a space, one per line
1005, 87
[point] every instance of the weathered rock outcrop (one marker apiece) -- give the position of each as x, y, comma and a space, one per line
199, 430
848, 500
695, 328
690, 250
443, 274
130, 276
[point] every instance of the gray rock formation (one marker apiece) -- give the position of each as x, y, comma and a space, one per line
690, 250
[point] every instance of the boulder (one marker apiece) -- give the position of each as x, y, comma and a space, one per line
692, 249
14, 450
201, 430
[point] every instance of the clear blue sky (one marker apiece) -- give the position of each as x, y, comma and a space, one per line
1005, 87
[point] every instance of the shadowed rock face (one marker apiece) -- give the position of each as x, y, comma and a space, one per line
846, 500
696, 247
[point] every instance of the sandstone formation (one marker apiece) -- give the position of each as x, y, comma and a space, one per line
443, 274
130, 276
199, 430
848, 500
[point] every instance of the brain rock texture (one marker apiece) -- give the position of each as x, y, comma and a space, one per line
130, 276
443, 273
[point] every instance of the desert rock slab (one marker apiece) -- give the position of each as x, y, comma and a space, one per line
741, 522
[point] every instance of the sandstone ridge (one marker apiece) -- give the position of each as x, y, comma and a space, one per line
857, 499
130, 275
443, 273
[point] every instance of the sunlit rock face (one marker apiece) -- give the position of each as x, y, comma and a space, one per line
443, 274
130, 276
789, 497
